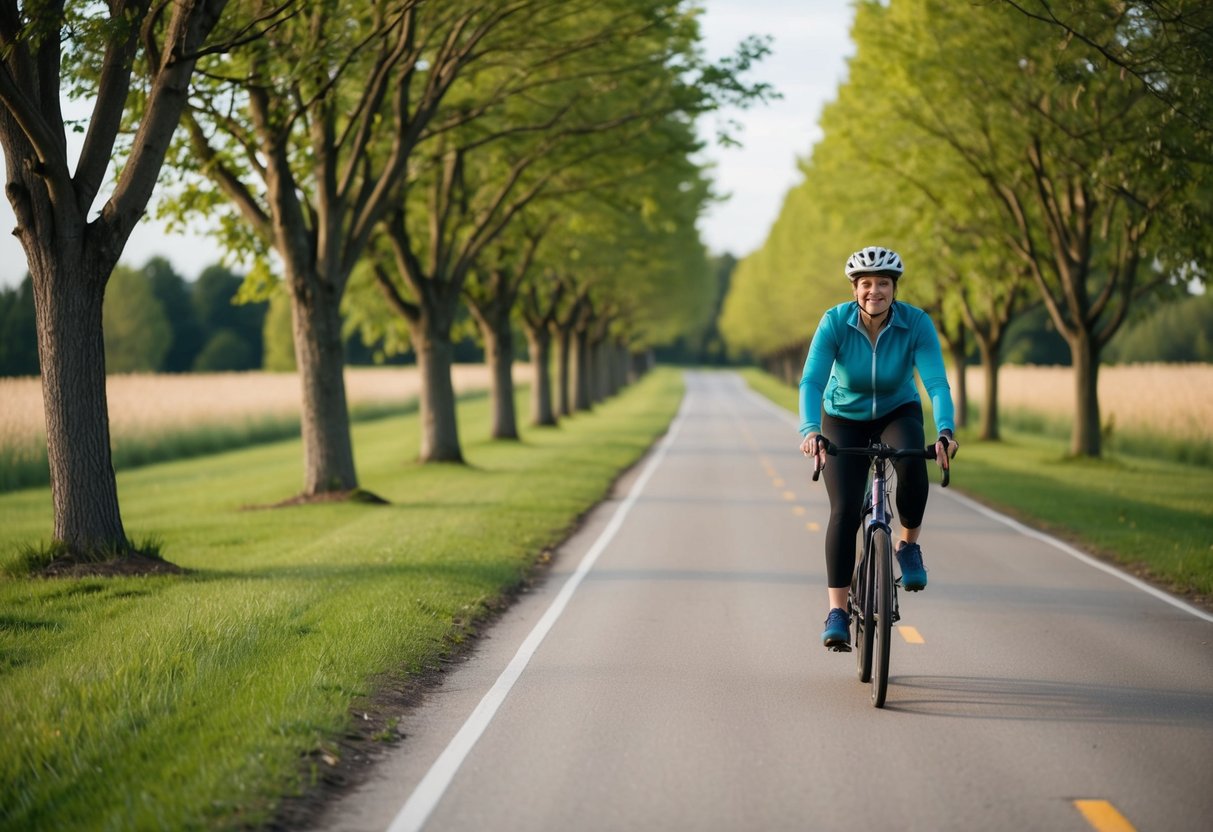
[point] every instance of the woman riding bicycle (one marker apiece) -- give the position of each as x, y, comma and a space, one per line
861, 366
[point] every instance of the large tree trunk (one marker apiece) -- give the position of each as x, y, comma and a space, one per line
328, 453
492, 300
498, 337
581, 365
539, 343
620, 368
439, 421
564, 372
597, 370
991, 363
1085, 439
957, 349
71, 350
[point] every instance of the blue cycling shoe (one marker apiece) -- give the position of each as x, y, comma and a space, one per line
837, 634
913, 573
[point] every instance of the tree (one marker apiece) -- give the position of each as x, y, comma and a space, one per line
174, 295
779, 292
615, 213
1092, 174
595, 74
1163, 44
1173, 332
18, 330
492, 294
50, 50
225, 352
310, 152
137, 333
220, 307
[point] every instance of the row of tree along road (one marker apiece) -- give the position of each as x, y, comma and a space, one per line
1019, 155
386, 165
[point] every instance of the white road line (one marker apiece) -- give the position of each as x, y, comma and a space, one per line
424, 799
1027, 531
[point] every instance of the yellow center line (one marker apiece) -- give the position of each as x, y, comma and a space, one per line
789, 495
910, 634
778, 483
798, 510
1103, 816
813, 527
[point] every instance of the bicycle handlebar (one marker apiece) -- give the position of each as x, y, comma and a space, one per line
881, 452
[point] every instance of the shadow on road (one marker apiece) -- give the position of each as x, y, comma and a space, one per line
1042, 701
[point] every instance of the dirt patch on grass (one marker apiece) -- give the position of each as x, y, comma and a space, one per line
126, 566
353, 495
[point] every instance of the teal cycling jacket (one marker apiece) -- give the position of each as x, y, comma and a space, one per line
858, 381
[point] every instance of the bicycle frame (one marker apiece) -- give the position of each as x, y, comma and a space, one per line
878, 516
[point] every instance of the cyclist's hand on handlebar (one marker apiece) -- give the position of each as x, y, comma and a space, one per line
945, 450
815, 445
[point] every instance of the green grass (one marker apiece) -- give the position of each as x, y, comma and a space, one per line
195, 701
1152, 516
1115, 442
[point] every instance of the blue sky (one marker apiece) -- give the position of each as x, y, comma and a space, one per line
808, 60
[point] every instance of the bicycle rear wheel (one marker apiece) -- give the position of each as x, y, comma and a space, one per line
882, 629
864, 609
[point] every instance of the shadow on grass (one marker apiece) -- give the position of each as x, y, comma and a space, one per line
464, 572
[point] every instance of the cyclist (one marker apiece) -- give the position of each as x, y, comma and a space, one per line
860, 366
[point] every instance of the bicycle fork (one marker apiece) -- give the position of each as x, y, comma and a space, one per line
878, 497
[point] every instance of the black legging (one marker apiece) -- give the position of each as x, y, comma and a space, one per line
846, 478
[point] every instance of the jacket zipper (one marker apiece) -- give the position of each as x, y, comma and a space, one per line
879, 335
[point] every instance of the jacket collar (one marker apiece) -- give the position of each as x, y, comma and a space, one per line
895, 318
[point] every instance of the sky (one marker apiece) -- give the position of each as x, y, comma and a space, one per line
811, 41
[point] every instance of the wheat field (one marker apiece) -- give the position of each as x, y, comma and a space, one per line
1174, 400
150, 405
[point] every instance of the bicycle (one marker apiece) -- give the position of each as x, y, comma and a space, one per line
872, 598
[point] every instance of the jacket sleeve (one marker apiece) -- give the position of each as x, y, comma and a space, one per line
928, 359
817, 367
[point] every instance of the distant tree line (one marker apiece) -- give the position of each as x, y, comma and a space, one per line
155, 321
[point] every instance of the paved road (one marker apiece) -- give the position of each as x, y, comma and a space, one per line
680, 683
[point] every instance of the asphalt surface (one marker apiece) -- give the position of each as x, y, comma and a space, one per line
679, 683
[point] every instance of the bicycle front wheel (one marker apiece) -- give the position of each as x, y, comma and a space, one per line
882, 629
863, 614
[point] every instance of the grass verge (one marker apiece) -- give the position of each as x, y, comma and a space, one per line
1151, 516
196, 701
1115, 442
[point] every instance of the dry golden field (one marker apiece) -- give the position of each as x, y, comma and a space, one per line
148, 405
1175, 400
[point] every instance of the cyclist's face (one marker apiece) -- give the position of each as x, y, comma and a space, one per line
874, 293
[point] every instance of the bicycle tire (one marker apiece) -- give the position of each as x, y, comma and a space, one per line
882, 630
863, 612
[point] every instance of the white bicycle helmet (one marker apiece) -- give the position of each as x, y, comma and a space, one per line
874, 260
